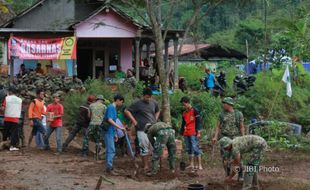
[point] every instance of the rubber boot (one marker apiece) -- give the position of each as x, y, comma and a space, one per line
227, 170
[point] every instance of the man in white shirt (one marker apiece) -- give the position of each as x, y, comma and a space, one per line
12, 106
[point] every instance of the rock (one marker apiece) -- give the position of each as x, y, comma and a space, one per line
52, 83
4, 145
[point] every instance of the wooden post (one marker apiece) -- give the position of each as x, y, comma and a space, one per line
176, 62
137, 57
5, 52
106, 62
166, 56
94, 63
11, 70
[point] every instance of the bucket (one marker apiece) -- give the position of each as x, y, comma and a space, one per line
182, 166
195, 186
296, 129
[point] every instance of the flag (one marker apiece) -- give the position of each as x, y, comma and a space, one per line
287, 80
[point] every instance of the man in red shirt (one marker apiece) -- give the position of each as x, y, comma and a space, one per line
12, 106
190, 129
57, 111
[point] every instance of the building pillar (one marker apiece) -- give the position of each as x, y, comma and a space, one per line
176, 62
11, 70
148, 52
94, 64
5, 52
106, 62
74, 67
137, 58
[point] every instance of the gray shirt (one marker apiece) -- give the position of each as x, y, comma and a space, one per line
144, 112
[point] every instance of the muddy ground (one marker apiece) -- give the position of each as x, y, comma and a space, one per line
31, 169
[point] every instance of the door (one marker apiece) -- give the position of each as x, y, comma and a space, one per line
99, 63
84, 63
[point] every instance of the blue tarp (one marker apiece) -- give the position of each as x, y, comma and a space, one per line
253, 68
307, 66
157, 92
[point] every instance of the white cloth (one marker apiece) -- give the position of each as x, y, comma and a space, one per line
13, 106
119, 132
44, 123
286, 78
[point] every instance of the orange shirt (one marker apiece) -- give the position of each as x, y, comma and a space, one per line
39, 70
36, 109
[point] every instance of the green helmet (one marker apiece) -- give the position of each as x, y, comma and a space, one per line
225, 142
228, 100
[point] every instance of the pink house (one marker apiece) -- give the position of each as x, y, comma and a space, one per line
107, 38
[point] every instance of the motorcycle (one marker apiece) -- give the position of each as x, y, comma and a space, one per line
242, 83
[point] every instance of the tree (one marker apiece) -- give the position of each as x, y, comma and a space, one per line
159, 21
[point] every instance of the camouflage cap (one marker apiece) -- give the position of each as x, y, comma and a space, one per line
225, 142
100, 97
147, 127
228, 100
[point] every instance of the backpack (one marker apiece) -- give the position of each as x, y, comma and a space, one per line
237, 118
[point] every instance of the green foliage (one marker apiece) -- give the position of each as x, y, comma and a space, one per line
268, 99
293, 33
208, 106
225, 38
192, 73
73, 100
281, 137
251, 30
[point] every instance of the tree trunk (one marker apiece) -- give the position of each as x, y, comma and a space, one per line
163, 75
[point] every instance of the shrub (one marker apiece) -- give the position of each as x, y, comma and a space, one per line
73, 100
209, 108
192, 73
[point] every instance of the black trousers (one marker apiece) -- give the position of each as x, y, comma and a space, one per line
11, 129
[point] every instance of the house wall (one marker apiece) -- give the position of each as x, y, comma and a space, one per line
106, 25
126, 54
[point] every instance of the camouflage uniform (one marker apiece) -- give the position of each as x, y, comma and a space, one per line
230, 127
130, 82
97, 110
252, 147
164, 135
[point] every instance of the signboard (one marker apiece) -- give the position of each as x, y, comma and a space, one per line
42, 49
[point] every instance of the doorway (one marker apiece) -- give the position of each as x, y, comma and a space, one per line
84, 63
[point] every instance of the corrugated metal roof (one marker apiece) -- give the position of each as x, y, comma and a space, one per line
188, 48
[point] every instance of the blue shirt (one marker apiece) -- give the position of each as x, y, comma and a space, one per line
210, 80
111, 113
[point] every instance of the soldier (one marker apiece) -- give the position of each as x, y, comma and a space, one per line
230, 124
164, 135
97, 111
82, 121
130, 80
252, 145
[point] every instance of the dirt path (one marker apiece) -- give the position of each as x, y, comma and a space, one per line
31, 169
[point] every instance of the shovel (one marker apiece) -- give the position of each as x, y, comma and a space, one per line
132, 155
